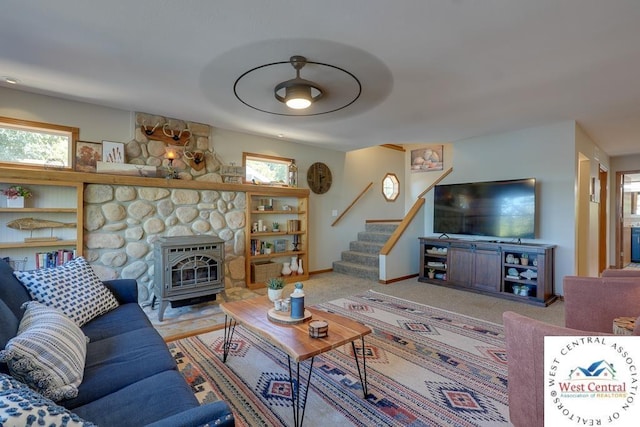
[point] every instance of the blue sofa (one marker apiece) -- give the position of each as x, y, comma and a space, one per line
130, 377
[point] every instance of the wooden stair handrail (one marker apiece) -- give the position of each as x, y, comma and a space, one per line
352, 204
395, 237
402, 227
436, 182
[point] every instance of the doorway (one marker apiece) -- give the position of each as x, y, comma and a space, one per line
627, 217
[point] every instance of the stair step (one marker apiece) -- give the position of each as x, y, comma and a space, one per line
357, 270
362, 258
373, 236
381, 227
365, 247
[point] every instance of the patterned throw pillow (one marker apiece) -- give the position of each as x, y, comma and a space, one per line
21, 406
48, 354
73, 288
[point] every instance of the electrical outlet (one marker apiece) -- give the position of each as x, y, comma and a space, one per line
334, 212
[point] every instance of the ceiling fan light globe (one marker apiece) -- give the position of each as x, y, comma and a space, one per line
298, 103
298, 96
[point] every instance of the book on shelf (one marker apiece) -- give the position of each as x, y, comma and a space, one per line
293, 225
54, 258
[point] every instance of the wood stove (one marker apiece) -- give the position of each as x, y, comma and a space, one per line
187, 270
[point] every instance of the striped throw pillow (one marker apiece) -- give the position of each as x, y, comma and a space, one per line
48, 354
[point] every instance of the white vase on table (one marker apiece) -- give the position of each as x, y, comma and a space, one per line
294, 264
300, 270
274, 294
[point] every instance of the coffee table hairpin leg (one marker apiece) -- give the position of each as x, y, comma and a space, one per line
229, 329
363, 374
297, 404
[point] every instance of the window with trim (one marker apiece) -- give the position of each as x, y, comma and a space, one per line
266, 169
390, 187
28, 143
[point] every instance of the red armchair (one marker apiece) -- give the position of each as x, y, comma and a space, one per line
590, 305
525, 365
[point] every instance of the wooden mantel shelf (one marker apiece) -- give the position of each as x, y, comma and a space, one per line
95, 178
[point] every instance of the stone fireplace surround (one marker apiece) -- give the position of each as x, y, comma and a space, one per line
122, 223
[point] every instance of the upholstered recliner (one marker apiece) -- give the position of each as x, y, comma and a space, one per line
590, 304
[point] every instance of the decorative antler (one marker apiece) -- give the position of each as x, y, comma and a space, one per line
170, 132
148, 131
196, 159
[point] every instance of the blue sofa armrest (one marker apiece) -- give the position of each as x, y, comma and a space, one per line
214, 414
125, 290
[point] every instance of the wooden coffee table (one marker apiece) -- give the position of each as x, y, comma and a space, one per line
295, 340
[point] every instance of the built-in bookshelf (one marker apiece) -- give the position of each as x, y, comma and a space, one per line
48, 230
276, 232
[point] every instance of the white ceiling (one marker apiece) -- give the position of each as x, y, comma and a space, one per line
431, 70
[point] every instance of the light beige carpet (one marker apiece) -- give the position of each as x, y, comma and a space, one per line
181, 322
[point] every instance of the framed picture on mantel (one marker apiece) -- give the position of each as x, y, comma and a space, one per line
88, 154
112, 152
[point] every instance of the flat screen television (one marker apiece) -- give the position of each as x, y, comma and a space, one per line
505, 209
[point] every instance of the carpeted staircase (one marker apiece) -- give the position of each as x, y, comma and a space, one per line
361, 260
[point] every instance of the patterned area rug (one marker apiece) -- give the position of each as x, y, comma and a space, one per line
425, 367
181, 322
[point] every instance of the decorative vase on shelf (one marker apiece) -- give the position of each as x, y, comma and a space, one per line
286, 271
16, 202
294, 264
300, 270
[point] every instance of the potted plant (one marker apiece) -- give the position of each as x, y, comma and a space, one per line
276, 227
15, 196
275, 286
524, 259
431, 273
268, 247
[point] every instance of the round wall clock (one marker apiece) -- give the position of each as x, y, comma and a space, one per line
319, 178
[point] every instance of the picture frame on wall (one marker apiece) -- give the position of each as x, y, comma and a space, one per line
88, 154
112, 152
427, 159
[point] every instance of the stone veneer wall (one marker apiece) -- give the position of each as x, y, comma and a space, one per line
122, 222
144, 150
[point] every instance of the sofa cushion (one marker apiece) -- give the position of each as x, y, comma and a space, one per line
150, 399
12, 292
125, 318
73, 287
48, 353
21, 406
8, 328
115, 362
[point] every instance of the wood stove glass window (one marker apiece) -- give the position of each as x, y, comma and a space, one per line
194, 270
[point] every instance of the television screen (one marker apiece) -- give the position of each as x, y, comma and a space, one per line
499, 208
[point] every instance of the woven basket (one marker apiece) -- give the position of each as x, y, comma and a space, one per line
261, 272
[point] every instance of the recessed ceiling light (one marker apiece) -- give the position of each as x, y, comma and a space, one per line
281, 135
11, 80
